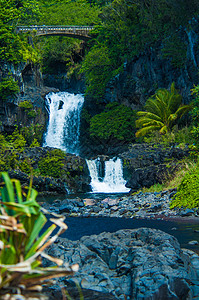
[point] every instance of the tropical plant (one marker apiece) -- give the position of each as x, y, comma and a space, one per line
22, 243
162, 110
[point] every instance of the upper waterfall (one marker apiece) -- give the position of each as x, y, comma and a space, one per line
64, 121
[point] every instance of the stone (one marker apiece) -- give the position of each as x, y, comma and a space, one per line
187, 212
193, 243
133, 264
89, 202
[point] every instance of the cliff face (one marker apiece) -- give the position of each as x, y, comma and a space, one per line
150, 70
145, 74
29, 79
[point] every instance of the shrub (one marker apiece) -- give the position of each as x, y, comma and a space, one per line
33, 132
26, 105
52, 164
176, 136
8, 88
188, 191
117, 121
34, 143
17, 140
28, 108
25, 166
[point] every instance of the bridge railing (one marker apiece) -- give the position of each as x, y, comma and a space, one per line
54, 28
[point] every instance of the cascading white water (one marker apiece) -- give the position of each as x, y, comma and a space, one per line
112, 182
63, 133
64, 121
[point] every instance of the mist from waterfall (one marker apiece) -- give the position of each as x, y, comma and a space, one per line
110, 180
64, 121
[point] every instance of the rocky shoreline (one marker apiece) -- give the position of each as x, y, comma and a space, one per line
141, 205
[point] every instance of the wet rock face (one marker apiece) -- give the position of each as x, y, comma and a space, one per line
145, 74
132, 264
145, 165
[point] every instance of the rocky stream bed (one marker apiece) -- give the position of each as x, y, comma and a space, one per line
140, 263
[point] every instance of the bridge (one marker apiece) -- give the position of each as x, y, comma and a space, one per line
79, 32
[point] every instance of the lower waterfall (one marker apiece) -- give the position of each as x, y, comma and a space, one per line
111, 181
64, 121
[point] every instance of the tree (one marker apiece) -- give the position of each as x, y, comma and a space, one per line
161, 112
14, 47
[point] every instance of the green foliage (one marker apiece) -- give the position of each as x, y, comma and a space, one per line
8, 88
174, 49
17, 140
52, 164
34, 143
23, 243
3, 142
8, 157
195, 109
28, 108
195, 115
98, 68
162, 110
63, 53
188, 191
116, 122
13, 47
12, 145
130, 27
176, 136
32, 132
27, 105
25, 165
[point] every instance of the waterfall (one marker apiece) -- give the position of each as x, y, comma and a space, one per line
191, 41
112, 180
64, 121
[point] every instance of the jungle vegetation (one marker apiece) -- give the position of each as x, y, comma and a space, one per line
122, 30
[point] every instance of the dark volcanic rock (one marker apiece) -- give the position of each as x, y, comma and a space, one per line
145, 164
139, 264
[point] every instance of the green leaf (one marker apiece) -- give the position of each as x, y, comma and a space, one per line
8, 190
40, 241
38, 225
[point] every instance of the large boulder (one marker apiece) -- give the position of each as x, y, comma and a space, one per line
134, 264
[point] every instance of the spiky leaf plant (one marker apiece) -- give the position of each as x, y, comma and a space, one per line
161, 111
22, 244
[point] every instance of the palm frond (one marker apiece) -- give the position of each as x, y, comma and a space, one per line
183, 110
146, 130
161, 110
148, 122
